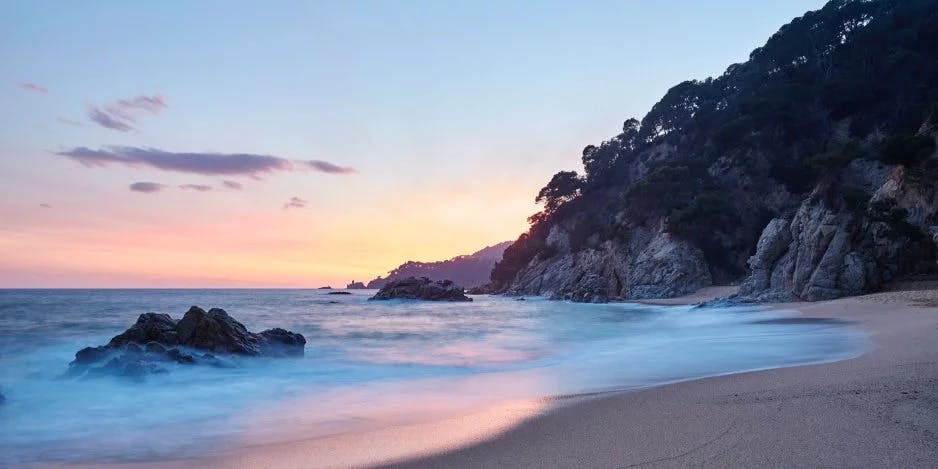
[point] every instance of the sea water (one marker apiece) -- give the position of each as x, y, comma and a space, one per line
366, 363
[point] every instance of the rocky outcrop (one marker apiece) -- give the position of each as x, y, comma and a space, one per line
156, 340
421, 288
355, 286
648, 265
829, 249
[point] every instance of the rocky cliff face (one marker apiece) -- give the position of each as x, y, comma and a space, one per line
651, 265
828, 250
808, 172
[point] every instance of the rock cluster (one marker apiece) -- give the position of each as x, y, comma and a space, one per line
355, 286
157, 339
421, 288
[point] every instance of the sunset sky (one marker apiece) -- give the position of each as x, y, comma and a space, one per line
300, 144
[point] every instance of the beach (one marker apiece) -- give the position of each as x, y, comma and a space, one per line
877, 410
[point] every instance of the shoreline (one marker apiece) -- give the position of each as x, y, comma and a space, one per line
582, 431
878, 409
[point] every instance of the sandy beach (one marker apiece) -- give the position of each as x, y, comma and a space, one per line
877, 410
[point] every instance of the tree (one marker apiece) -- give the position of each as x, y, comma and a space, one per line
562, 188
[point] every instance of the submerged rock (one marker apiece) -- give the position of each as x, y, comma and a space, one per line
2, 398
421, 288
157, 339
339, 293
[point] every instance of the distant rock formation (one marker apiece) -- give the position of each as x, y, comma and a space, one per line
421, 288
355, 286
157, 338
471, 270
325, 288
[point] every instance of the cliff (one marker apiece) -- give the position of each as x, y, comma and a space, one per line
807, 172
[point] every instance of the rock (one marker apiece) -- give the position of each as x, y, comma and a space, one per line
480, 290
150, 327
281, 342
155, 347
651, 264
421, 288
175, 355
90, 355
829, 250
2, 399
327, 287
668, 267
339, 293
355, 286
216, 331
157, 338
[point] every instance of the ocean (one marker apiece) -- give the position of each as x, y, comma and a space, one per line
366, 363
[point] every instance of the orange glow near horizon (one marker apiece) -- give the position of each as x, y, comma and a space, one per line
301, 248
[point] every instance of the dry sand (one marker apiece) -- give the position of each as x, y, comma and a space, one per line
877, 410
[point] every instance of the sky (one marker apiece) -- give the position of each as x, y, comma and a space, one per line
300, 144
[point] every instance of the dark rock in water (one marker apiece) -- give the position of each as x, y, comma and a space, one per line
2, 398
150, 327
339, 293
355, 286
157, 338
521, 299
480, 290
421, 289
175, 355
280, 342
155, 347
215, 330
327, 287
90, 355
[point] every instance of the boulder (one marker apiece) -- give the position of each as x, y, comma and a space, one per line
421, 288
355, 286
156, 339
216, 331
150, 327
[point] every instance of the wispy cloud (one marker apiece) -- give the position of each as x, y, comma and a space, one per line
67, 121
327, 167
122, 115
208, 164
234, 185
294, 202
195, 187
147, 187
106, 120
211, 164
34, 88
45, 205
